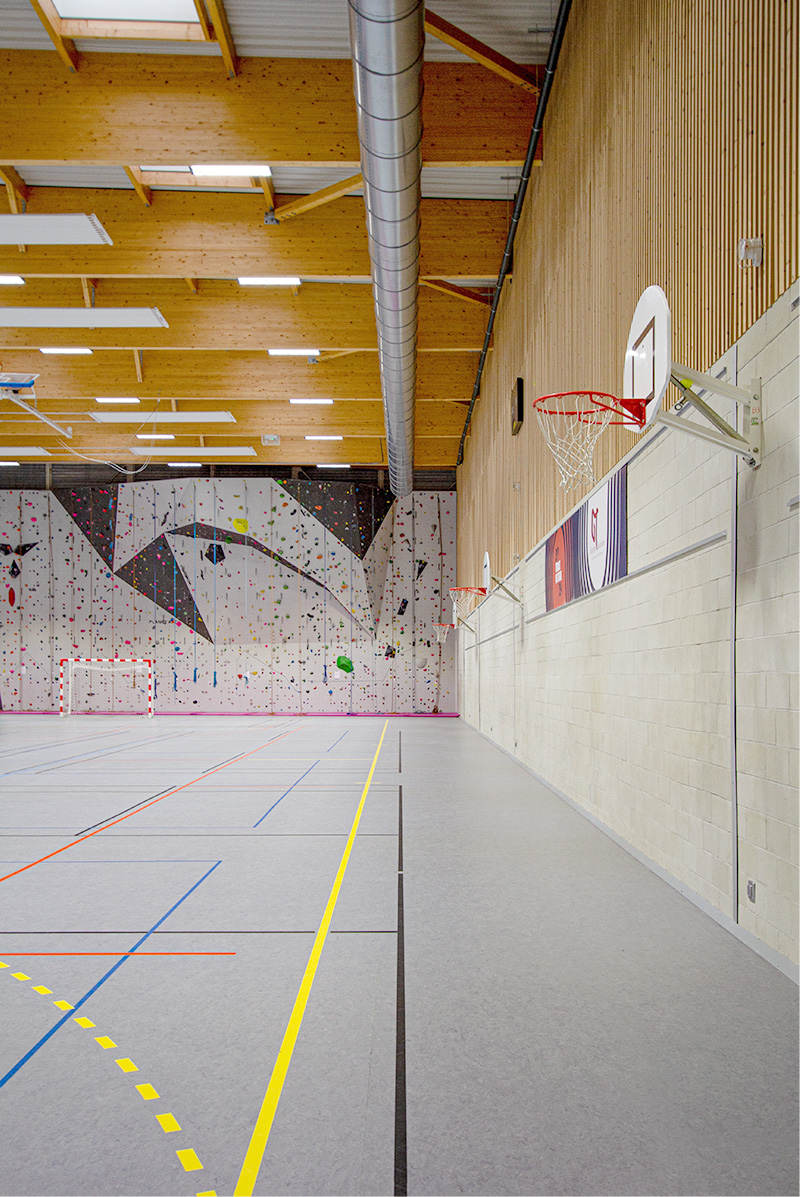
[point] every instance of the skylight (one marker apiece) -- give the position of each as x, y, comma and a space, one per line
127, 10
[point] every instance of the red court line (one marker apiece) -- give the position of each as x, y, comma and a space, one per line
168, 794
118, 953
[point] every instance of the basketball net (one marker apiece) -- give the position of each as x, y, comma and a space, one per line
440, 631
572, 424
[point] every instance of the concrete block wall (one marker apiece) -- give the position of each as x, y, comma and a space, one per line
622, 700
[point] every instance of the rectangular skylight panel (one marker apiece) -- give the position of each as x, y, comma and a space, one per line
269, 280
240, 170
311, 401
203, 454
81, 318
23, 451
127, 10
172, 170
72, 228
163, 417
293, 352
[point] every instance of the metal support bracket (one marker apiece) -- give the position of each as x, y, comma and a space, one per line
720, 432
7, 393
498, 585
466, 625
270, 217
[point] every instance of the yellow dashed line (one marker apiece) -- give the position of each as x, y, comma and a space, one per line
189, 1159
168, 1122
208, 1193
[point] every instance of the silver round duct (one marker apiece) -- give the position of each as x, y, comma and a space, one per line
387, 38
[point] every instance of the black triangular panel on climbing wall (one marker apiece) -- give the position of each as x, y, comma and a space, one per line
94, 510
155, 573
353, 513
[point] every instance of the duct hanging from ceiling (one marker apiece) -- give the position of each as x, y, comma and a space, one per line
387, 38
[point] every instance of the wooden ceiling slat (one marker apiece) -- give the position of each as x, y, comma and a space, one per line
220, 376
213, 235
128, 108
224, 315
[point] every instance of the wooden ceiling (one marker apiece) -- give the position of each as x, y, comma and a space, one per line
182, 250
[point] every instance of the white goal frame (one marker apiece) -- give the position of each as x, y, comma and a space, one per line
98, 663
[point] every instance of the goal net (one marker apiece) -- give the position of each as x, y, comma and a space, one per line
91, 684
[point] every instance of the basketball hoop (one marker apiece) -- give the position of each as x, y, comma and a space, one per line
440, 631
462, 597
573, 422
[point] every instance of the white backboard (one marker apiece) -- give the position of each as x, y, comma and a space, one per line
487, 573
648, 355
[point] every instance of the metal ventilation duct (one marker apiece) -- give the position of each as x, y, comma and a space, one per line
387, 39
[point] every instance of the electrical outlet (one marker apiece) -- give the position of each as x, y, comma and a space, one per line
751, 891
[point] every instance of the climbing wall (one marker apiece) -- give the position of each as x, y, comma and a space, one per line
248, 596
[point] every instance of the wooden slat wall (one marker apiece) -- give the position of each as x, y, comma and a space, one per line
671, 133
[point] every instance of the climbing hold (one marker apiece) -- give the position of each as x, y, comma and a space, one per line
345, 664
241, 525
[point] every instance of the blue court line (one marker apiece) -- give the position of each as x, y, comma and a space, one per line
4, 1080
341, 737
93, 755
291, 787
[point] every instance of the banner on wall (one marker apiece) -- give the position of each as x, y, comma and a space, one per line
590, 549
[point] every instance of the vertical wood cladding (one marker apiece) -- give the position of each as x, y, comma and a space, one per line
671, 133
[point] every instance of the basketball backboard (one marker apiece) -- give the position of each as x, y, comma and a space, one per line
648, 355
487, 573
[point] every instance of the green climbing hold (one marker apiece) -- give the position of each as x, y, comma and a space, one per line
345, 664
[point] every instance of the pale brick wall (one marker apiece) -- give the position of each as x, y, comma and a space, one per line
622, 700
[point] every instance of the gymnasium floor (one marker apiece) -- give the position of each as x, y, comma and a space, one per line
570, 1024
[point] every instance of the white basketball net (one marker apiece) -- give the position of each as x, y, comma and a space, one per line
440, 631
572, 424
463, 597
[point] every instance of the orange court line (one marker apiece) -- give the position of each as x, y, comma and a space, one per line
130, 815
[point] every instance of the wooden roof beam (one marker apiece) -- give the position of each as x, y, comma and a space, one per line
139, 186
306, 203
459, 292
219, 19
525, 77
16, 189
65, 46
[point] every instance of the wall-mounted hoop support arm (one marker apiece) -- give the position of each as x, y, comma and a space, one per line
720, 433
468, 626
498, 585
13, 395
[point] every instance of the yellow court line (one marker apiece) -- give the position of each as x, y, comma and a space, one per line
258, 1140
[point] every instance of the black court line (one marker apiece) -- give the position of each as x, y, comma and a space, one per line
399, 751
400, 1143
122, 812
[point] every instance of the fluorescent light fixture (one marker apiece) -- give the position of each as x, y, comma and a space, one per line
324, 438
184, 465
24, 451
9, 463
203, 454
293, 352
81, 318
267, 280
331, 465
173, 170
246, 170
54, 229
155, 436
163, 417
113, 400
127, 10
316, 401
11, 280
65, 350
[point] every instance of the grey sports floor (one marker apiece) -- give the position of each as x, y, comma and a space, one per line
547, 1018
